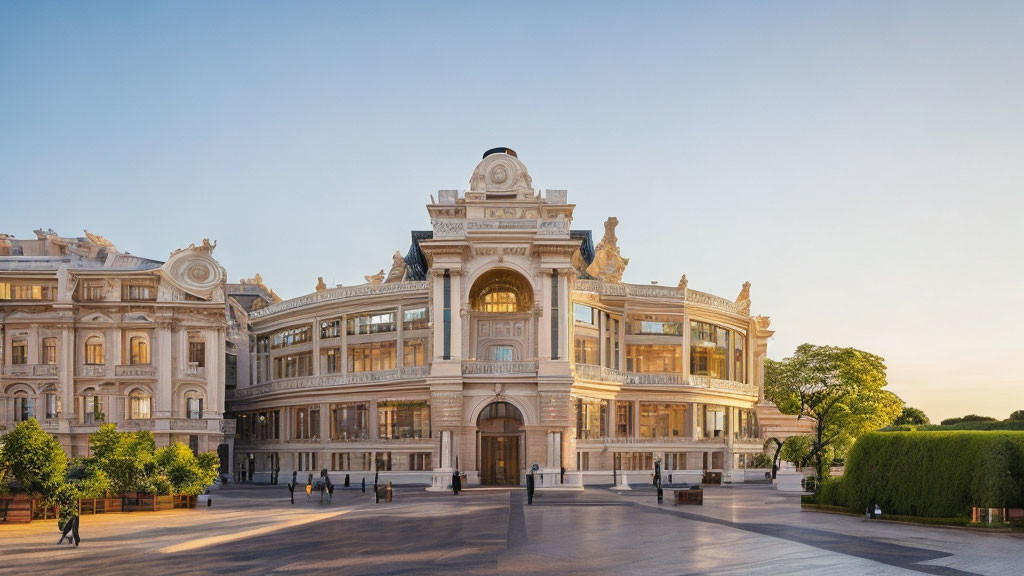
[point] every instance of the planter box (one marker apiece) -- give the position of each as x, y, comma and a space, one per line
182, 501
99, 505
16, 509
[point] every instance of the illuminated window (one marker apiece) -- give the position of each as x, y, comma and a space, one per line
19, 352
500, 302
139, 350
654, 358
709, 350
501, 291
140, 406
413, 352
94, 351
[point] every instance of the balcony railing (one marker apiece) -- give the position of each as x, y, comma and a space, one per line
99, 370
22, 370
331, 380
138, 424
602, 374
481, 368
198, 372
189, 424
135, 370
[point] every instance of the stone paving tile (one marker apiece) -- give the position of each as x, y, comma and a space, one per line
740, 530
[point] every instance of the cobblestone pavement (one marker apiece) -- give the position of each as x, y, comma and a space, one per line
750, 529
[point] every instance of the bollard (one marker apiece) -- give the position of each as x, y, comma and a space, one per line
661, 495
364, 484
346, 480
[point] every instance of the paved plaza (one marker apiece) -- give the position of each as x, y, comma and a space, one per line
751, 529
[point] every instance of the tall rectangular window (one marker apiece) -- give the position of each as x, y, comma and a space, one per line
197, 353
49, 350
24, 408
709, 350
624, 418
137, 291
330, 360
586, 350
307, 422
351, 461
447, 315
739, 358
376, 323
52, 404
584, 314
591, 418
419, 461
19, 352
649, 358
714, 421
413, 352
330, 328
554, 315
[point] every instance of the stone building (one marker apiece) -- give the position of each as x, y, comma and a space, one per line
502, 339
90, 335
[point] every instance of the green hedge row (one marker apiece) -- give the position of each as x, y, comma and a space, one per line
930, 474
1003, 425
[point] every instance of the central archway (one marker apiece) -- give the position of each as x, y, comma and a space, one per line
500, 444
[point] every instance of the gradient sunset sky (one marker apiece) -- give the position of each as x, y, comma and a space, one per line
860, 163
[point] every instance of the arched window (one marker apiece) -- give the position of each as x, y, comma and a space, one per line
24, 406
193, 406
94, 350
139, 350
140, 406
501, 291
51, 403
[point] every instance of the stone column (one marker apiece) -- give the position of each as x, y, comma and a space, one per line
344, 345
563, 314
316, 346
544, 328
400, 352
374, 421
66, 374
603, 358
437, 314
612, 416
457, 352
686, 344
620, 362
325, 424
163, 371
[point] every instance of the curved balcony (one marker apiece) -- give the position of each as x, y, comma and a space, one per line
602, 374
476, 368
331, 380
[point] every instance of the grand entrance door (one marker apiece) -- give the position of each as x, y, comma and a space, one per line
500, 439
500, 460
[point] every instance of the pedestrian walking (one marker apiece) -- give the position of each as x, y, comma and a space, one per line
70, 524
291, 491
330, 492
309, 491
364, 484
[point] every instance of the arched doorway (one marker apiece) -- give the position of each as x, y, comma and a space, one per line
500, 427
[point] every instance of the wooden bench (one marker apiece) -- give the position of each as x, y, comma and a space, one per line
686, 493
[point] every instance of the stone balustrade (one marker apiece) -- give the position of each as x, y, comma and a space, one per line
459, 228
475, 368
135, 370
331, 380
602, 374
138, 424
189, 424
194, 372
651, 291
333, 294
93, 370
23, 370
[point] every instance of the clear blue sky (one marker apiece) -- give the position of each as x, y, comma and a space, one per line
860, 163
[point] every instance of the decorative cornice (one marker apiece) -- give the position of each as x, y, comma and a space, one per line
333, 294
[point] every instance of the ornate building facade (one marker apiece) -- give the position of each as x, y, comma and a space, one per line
503, 339
90, 335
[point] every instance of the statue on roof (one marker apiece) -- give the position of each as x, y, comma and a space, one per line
744, 298
397, 272
608, 264
375, 279
681, 287
320, 284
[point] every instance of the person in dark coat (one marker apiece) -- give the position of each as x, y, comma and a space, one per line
291, 491
70, 524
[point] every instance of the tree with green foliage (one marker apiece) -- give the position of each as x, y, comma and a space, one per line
912, 417
125, 458
186, 472
1017, 415
34, 459
842, 389
968, 418
85, 475
797, 450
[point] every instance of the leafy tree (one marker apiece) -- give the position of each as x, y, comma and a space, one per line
34, 458
1017, 415
187, 473
912, 417
842, 389
125, 458
968, 418
85, 475
796, 449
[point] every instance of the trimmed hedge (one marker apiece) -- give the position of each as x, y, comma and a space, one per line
930, 474
1003, 425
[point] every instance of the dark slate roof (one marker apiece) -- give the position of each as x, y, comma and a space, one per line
415, 260
586, 244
